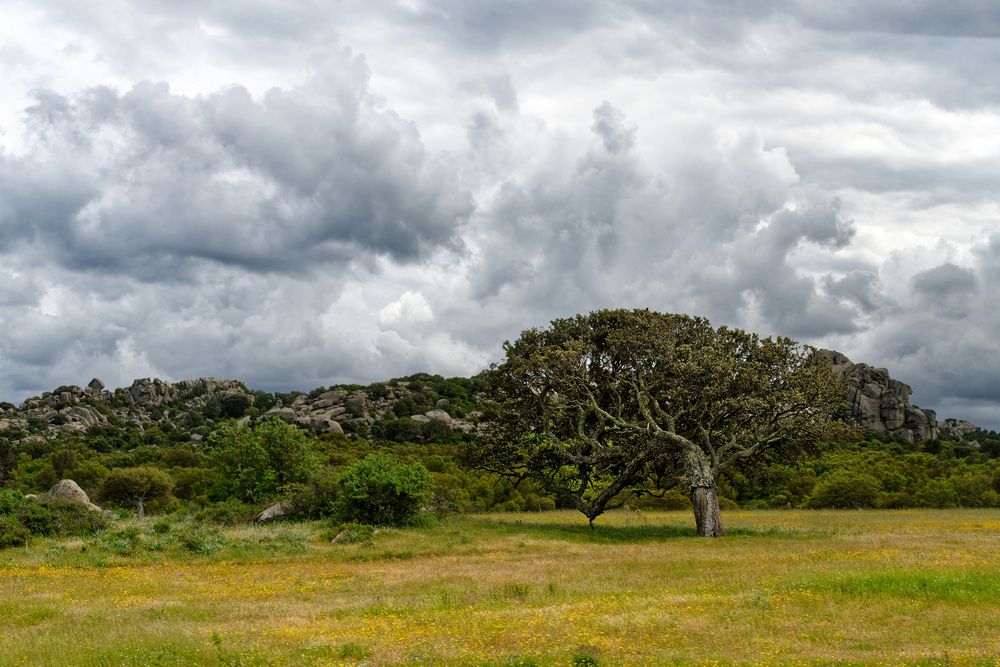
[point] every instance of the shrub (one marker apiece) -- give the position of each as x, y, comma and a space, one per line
937, 493
227, 513
379, 490
845, 489
351, 533
201, 539
61, 517
12, 533
317, 497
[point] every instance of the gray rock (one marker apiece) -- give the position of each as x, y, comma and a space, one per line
285, 414
275, 512
70, 490
326, 425
149, 393
880, 403
957, 428
96, 386
438, 415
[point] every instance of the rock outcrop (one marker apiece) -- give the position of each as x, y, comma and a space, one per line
880, 403
956, 429
67, 489
275, 512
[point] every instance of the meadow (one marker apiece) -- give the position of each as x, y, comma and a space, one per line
905, 587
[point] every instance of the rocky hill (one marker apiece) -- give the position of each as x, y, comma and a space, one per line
406, 407
417, 408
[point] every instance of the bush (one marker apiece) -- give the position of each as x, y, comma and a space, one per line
845, 489
379, 490
318, 496
20, 518
351, 533
227, 513
12, 533
937, 493
201, 539
60, 517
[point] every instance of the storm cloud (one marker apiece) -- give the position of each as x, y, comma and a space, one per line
352, 191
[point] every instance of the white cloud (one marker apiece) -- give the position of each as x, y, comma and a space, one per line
357, 190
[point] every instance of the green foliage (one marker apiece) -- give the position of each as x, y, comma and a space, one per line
317, 497
201, 538
379, 490
257, 463
21, 518
844, 490
352, 533
12, 533
234, 406
599, 405
227, 513
136, 486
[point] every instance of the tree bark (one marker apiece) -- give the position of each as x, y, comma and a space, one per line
704, 498
707, 517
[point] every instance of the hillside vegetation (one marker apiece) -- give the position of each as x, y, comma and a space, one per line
84, 434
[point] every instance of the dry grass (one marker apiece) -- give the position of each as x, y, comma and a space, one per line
904, 587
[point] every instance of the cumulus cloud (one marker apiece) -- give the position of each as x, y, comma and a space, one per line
145, 181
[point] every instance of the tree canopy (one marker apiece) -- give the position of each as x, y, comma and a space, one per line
618, 402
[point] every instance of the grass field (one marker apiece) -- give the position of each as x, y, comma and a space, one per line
796, 587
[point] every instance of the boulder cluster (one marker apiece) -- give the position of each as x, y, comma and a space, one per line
333, 410
71, 409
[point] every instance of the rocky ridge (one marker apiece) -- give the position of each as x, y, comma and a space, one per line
880, 403
419, 404
189, 404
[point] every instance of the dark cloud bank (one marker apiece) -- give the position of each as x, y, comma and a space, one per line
704, 159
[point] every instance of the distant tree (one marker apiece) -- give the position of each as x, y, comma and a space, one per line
257, 463
381, 491
136, 486
234, 406
600, 406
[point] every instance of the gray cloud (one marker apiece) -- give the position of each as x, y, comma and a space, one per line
819, 170
146, 181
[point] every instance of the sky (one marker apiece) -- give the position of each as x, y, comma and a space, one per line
302, 194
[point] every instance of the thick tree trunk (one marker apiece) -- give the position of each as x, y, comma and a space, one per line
706, 511
701, 481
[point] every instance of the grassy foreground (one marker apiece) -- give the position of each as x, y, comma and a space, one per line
796, 587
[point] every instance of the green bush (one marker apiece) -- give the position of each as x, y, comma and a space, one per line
845, 489
351, 533
201, 539
379, 490
21, 518
12, 533
937, 493
227, 513
317, 497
